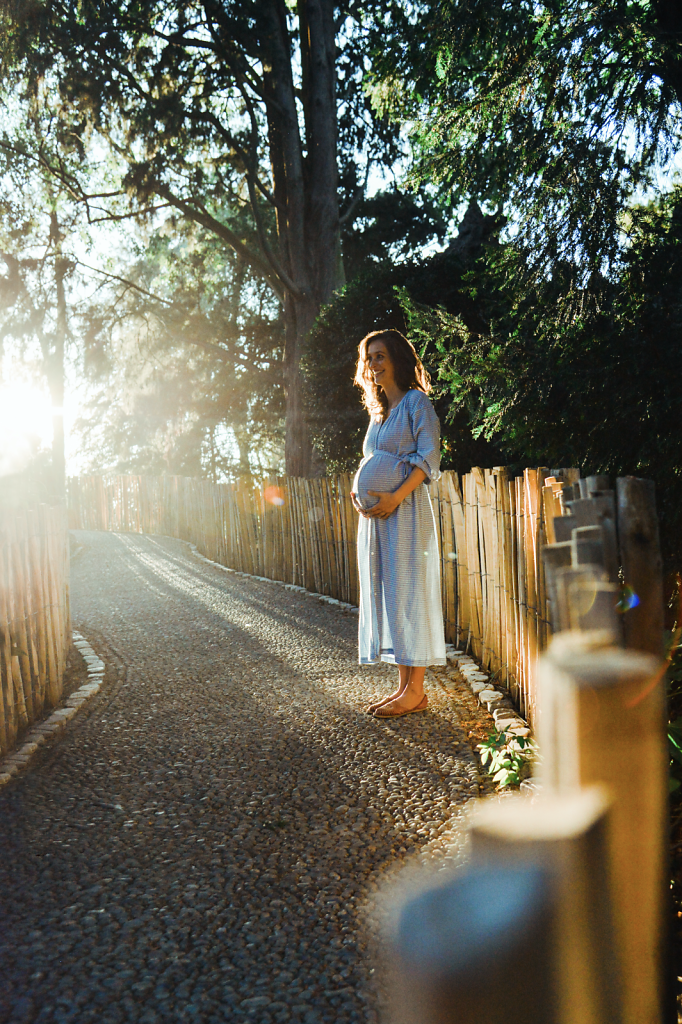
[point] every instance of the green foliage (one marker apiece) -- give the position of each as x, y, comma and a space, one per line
599, 389
183, 362
236, 118
188, 100
378, 298
511, 757
392, 225
559, 110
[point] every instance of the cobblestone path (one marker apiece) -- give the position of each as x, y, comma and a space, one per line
200, 844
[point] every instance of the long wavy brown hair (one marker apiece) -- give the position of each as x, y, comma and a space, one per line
407, 367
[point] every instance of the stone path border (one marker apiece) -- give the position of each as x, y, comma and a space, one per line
495, 699
19, 758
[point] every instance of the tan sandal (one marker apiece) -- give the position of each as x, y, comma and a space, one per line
402, 711
375, 705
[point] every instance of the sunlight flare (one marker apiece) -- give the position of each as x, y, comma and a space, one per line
25, 425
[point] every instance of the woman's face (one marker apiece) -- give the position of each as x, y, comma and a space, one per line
379, 362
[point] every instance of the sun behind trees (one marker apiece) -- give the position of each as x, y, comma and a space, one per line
249, 120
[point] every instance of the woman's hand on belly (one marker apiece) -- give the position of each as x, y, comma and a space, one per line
388, 503
389, 500
385, 506
356, 505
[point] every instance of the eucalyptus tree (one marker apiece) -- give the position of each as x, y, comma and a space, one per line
246, 118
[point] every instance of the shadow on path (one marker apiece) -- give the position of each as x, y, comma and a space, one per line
199, 843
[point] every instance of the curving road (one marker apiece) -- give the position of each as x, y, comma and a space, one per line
202, 842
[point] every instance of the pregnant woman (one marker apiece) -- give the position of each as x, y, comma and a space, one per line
401, 618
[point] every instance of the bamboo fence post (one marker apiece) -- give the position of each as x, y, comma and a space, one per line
308, 535
448, 559
329, 539
602, 722
51, 611
540, 542
453, 558
313, 534
514, 599
522, 621
58, 568
316, 513
484, 555
9, 709
496, 551
31, 605
299, 577
232, 519
279, 514
289, 553
40, 601
66, 578
344, 570
265, 531
531, 647
456, 490
16, 682
434, 492
18, 616
474, 562
505, 548
297, 535
350, 529
335, 519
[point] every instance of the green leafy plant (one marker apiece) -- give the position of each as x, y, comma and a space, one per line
510, 757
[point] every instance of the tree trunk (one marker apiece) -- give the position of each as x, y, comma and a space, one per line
242, 439
306, 191
298, 450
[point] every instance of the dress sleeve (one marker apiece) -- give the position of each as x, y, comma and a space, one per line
426, 433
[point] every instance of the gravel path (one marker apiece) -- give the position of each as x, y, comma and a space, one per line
203, 841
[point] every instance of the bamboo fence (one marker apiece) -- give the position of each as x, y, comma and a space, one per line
35, 629
491, 528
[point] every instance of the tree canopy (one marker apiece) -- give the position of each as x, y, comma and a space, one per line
558, 111
249, 120
245, 143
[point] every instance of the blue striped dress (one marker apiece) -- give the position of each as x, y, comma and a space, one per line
401, 616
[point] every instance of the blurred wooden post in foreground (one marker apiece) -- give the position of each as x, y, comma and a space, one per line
566, 835
477, 950
602, 721
525, 934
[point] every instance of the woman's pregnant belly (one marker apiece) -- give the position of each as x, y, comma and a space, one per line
379, 471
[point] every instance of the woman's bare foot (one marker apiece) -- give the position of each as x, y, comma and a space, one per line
409, 697
403, 681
